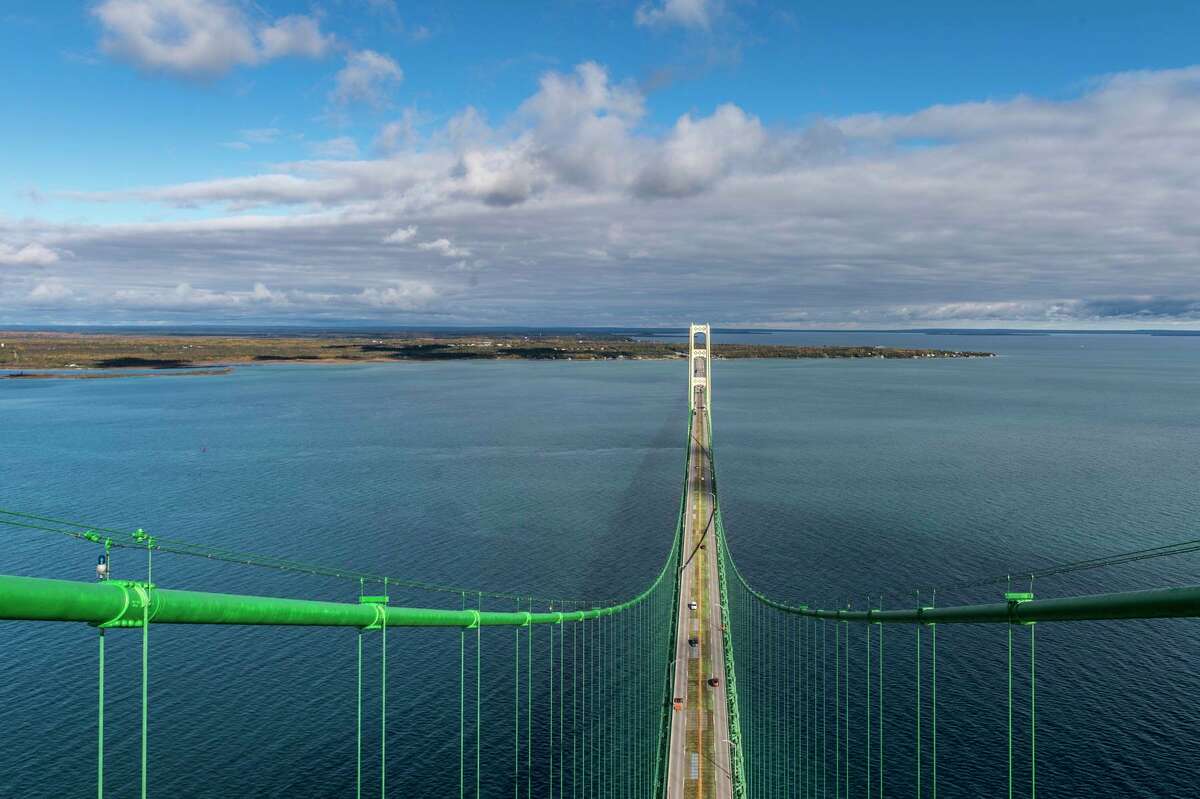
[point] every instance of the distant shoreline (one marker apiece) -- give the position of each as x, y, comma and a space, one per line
149, 356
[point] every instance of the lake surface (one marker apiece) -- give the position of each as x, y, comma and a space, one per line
561, 479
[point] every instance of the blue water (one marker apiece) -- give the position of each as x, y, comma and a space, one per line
838, 479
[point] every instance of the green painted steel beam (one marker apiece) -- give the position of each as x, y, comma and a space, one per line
116, 603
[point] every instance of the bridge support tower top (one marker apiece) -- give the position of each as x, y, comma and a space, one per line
700, 364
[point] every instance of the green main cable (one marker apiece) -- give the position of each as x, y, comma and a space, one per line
837, 712
136, 540
918, 683
1010, 755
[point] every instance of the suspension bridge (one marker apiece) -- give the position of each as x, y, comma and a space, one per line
699, 685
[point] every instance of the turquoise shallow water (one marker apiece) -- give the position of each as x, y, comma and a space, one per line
838, 479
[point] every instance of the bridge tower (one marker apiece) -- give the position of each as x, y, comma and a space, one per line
700, 364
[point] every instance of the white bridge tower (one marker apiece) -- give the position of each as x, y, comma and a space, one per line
700, 364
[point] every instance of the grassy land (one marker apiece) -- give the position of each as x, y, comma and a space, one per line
22, 350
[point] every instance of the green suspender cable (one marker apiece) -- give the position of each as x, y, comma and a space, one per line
918, 683
802, 634
613, 707
595, 707
1032, 716
846, 721
1010, 754
462, 707
574, 710
529, 709
794, 707
585, 739
383, 699
824, 717
561, 664
769, 729
837, 711
146, 656
881, 702
933, 697
868, 703
1032, 705
516, 703
358, 713
550, 740
100, 724
478, 692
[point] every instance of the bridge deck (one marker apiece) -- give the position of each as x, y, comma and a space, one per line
699, 751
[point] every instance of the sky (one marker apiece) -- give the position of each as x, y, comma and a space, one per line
601, 163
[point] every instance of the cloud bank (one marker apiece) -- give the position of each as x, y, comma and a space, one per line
575, 210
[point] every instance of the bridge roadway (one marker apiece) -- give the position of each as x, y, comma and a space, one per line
698, 763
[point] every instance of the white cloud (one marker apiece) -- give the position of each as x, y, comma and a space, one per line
260, 135
404, 296
582, 124
1045, 211
684, 13
394, 295
201, 38
32, 254
401, 235
296, 35
445, 248
341, 147
49, 291
364, 78
250, 137
398, 134
700, 152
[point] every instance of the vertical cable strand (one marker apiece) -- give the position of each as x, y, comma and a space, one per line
100, 723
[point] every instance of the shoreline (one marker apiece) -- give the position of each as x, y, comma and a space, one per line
33, 355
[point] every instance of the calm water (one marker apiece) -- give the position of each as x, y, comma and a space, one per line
838, 479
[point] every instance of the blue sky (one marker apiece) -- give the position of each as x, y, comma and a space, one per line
839, 164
